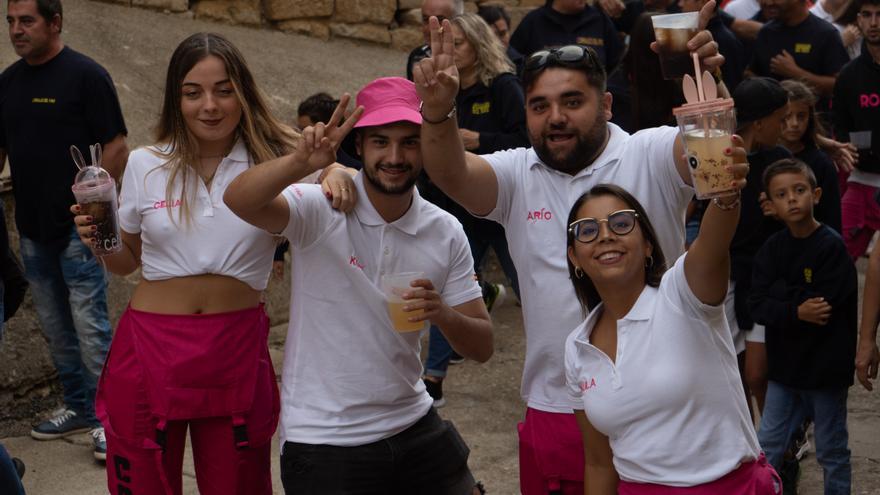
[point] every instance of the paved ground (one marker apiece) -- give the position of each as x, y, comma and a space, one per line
484, 401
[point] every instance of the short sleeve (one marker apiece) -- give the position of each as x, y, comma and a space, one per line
836, 56
675, 289
506, 165
572, 367
461, 282
310, 214
129, 198
102, 111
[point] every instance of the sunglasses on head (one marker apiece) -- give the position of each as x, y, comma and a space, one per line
586, 230
568, 55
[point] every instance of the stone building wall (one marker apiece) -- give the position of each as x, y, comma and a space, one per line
395, 23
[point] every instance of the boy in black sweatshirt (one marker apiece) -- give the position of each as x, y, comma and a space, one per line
805, 292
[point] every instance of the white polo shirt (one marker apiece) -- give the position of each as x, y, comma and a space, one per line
216, 241
672, 404
533, 205
349, 378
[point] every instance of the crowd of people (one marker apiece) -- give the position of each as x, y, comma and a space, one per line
673, 346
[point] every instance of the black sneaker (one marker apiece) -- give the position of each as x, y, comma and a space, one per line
64, 422
100, 442
435, 390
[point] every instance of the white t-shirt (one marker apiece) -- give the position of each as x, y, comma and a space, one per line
349, 378
853, 50
743, 9
216, 241
672, 405
533, 205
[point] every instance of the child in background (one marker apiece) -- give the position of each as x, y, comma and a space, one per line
799, 136
805, 292
761, 107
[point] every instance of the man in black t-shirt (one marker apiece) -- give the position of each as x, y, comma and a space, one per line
567, 22
441, 9
50, 99
795, 44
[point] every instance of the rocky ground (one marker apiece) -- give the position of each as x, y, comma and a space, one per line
134, 45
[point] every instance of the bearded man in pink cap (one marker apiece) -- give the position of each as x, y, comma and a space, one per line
355, 415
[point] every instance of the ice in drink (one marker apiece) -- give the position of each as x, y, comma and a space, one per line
707, 160
673, 31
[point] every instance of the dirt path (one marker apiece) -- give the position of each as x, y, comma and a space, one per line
134, 45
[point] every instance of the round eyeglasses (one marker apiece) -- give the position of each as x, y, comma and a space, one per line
586, 230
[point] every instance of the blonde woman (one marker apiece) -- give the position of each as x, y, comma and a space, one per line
190, 352
491, 117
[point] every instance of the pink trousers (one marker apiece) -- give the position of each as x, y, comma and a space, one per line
551, 454
752, 478
209, 373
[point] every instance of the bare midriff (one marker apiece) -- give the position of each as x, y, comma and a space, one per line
197, 294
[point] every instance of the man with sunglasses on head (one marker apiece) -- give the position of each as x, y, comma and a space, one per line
530, 190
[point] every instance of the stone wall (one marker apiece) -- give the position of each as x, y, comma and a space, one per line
395, 23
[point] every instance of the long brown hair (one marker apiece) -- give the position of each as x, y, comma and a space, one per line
800, 92
264, 135
584, 288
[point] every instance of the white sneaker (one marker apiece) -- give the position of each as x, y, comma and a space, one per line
100, 444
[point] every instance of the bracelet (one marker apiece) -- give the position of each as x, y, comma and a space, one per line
728, 206
444, 119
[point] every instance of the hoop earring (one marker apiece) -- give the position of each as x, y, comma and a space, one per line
649, 262
578, 273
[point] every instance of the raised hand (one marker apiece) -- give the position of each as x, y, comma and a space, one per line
317, 145
436, 77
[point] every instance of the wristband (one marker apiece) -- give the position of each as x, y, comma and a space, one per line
729, 206
444, 119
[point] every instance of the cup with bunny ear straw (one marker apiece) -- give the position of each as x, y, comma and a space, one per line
95, 192
707, 124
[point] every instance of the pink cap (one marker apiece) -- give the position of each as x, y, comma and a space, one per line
387, 100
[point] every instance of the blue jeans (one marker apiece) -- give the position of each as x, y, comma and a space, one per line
785, 410
439, 353
69, 292
9, 482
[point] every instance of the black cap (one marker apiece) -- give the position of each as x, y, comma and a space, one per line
756, 98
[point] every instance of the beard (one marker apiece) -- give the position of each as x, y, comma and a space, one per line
372, 175
586, 148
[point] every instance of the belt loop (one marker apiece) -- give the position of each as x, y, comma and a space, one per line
239, 432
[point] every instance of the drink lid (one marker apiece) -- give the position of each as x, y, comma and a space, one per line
702, 107
91, 176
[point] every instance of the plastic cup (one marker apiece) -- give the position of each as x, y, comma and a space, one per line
673, 31
707, 128
861, 139
95, 192
394, 286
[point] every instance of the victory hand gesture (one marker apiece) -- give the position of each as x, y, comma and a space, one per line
317, 145
436, 77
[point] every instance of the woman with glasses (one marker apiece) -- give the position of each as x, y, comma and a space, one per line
653, 364
190, 352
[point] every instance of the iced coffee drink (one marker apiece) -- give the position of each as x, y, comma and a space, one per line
95, 192
673, 31
707, 128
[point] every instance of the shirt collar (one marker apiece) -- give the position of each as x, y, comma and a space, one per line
641, 311
239, 152
367, 214
609, 156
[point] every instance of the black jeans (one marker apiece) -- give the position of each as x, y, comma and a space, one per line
428, 458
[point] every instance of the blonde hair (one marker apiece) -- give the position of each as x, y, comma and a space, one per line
264, 136
492, 58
